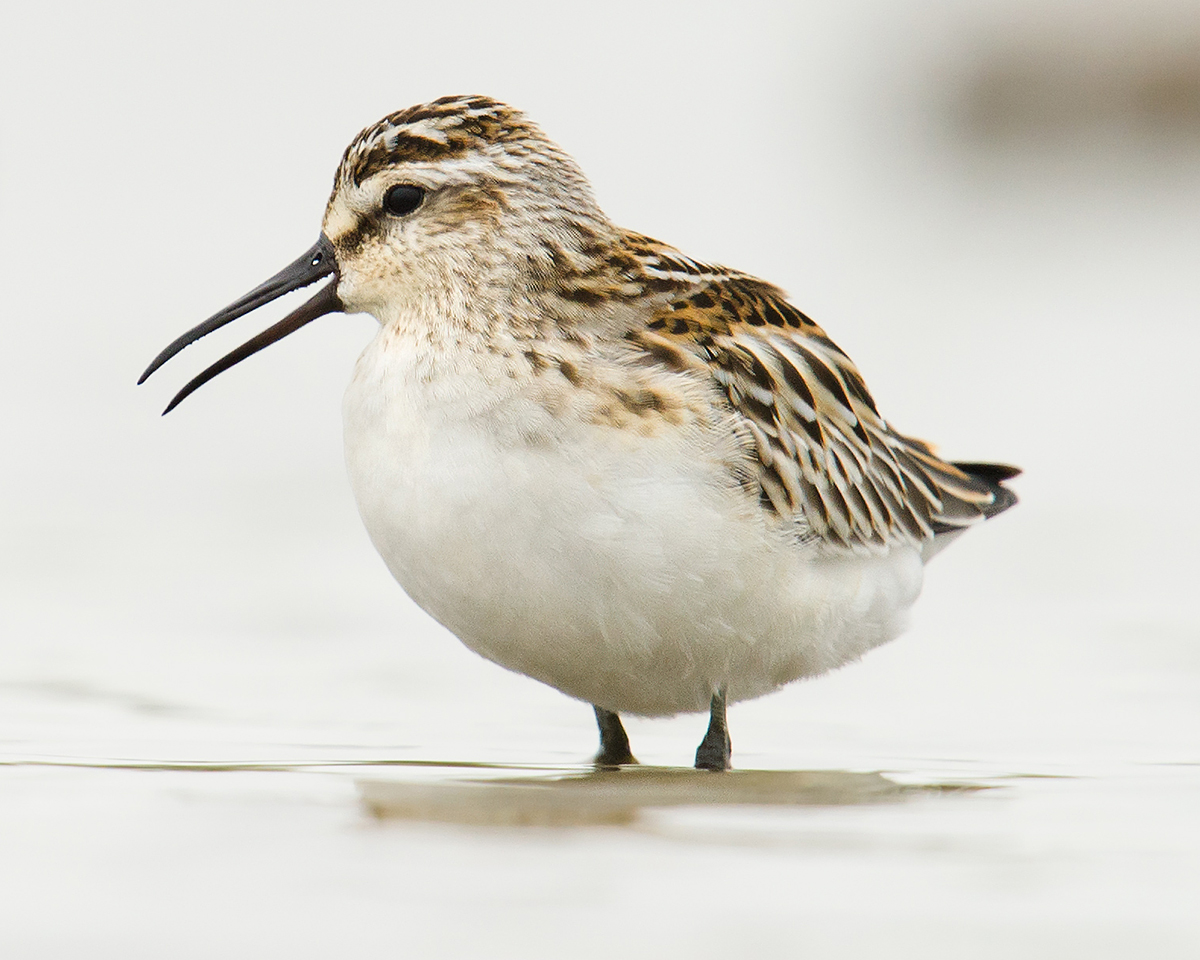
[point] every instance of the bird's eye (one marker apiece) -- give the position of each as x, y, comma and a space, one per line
403, 199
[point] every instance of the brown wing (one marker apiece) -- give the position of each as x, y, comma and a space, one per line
825, 455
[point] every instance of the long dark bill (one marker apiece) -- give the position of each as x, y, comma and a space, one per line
316, 263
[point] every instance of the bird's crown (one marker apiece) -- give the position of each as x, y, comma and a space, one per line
445, 129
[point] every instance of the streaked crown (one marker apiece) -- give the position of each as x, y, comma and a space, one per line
451, 128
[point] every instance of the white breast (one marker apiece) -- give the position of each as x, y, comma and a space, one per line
621, 569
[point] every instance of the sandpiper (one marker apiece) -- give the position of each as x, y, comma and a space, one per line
650, 482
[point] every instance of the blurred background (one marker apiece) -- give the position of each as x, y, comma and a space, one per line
993, 207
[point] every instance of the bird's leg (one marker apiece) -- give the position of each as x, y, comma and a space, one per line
614, 741
715, 749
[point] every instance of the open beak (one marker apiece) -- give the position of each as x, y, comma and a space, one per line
316, 263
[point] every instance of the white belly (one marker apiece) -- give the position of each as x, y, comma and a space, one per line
622, 570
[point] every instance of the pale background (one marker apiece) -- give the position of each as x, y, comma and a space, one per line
992, 206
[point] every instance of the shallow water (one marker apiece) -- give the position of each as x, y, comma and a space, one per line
320, 856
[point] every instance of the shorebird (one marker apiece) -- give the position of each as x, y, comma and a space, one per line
650, 482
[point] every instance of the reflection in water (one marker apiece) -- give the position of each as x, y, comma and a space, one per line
616, 797
447, 791
498, 794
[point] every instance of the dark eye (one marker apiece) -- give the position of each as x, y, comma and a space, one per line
403, 199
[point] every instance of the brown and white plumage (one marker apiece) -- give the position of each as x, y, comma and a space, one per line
650, 482
825, 458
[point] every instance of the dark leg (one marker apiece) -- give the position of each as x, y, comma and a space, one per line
614, 741
715, 749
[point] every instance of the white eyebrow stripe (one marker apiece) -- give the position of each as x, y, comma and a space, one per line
428, 129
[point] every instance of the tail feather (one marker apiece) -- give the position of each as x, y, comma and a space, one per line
994, 475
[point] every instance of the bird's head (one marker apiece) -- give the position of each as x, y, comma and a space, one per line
450, 210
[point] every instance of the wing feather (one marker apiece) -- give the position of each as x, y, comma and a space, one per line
825, 457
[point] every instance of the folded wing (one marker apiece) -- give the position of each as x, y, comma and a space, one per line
825, 456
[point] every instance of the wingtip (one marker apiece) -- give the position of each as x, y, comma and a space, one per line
991, 472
